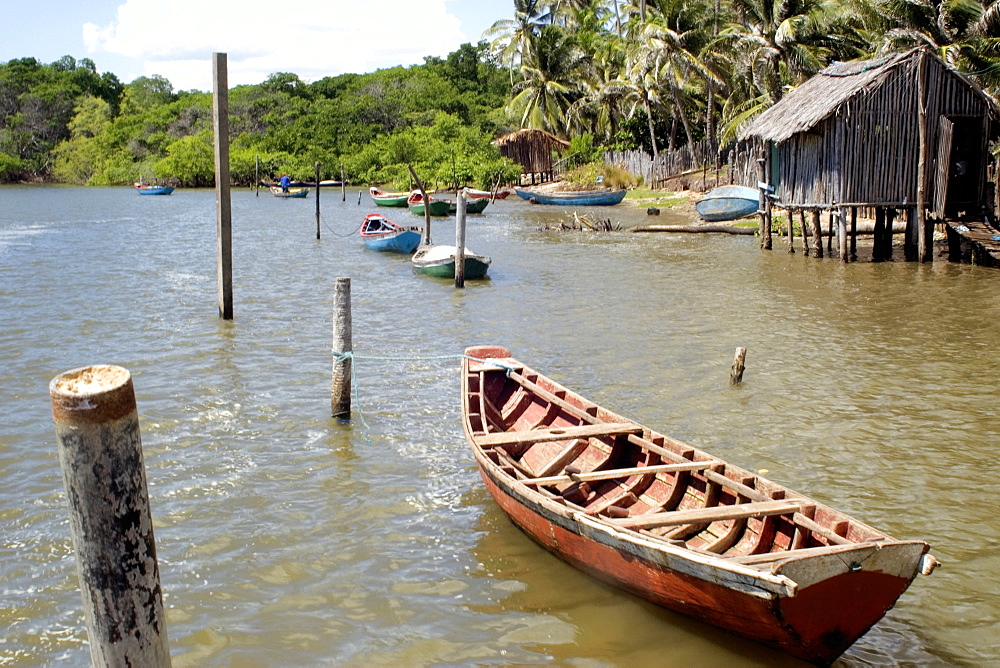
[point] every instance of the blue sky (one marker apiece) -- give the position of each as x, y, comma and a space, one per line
176, 38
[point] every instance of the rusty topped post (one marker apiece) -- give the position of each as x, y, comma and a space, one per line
100, 453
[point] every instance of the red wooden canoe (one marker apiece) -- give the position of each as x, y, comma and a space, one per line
674, 525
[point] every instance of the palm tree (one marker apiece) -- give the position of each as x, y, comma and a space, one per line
513, 39
965, 33
785, 41
675, 32
550, 74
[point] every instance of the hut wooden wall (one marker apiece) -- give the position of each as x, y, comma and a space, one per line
867, 152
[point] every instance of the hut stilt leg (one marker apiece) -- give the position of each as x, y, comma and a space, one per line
910, 240
890, 220
805, 232
817, 234
879, 232
854, 233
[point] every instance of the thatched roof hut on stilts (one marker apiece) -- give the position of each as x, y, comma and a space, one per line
903, 133
532, 149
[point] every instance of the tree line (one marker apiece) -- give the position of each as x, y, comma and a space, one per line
650, 74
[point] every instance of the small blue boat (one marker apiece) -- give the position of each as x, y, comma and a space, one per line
145, 189
381, 234
581, 198
728, 203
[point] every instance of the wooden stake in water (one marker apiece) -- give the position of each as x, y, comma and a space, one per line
317, 200
343, 364
223, 203
343, 184
100, 452
736, 372
460, 239
427, 205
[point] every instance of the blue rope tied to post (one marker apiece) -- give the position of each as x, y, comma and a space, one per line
341, 357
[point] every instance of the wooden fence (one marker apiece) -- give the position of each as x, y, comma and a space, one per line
666, 165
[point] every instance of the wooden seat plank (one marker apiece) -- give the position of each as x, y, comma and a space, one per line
703, 515
621, 473
556, 433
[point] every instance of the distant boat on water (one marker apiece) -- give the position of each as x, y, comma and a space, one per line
471, 206
329, 183
575, 198
728, 203
146, 189
381, 234
291, 193
439, 207
473, 193
383, 198
440, 261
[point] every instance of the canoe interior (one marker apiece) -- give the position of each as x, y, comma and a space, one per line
508, 406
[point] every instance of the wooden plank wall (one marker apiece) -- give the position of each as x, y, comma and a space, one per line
867, 152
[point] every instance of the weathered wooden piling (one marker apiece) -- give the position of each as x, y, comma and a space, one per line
223, 202
100, 453
317, 199
343, 184
842, 248
854, 233
460, 240
427, 204
764, 205
736, 372
817, 234
805, 232
343, 363
791, 231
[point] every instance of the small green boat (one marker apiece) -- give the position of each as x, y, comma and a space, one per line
439, 207
440, 261
471, 206
382, 198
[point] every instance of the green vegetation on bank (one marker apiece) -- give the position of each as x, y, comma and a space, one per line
604, 74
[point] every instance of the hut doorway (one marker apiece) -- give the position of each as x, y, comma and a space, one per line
959, 177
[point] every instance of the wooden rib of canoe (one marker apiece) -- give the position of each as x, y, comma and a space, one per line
674, 525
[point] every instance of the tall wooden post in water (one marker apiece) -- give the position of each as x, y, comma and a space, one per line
343, 364
923, 240
223, 203
427, 205
100, 453
460, 239
317, 199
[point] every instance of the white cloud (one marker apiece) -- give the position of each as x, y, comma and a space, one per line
311, 38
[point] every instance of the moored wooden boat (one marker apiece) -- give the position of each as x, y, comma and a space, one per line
327, 183
474, 193
471, 206
291, 193
674, 525
581, 198
439, 207
381, 234
146, 189
382, 198
728, 203
440, 261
